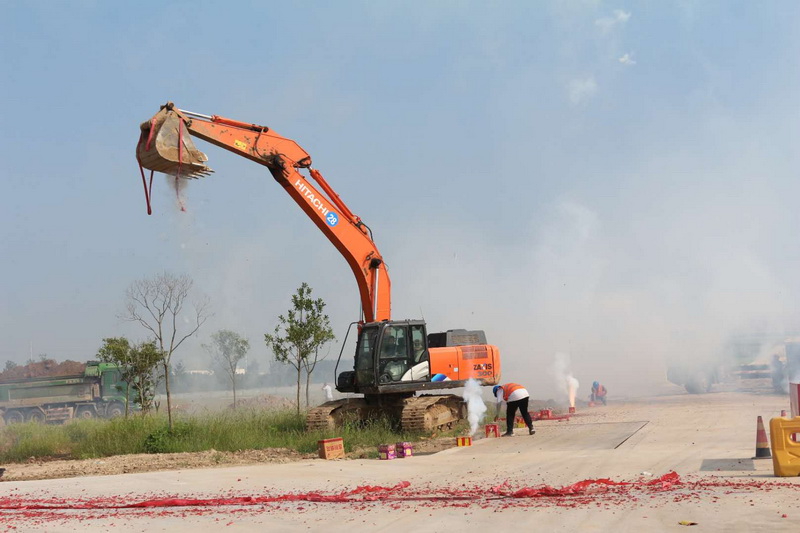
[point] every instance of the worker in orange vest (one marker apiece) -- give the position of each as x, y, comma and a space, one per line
515, 397
598, 393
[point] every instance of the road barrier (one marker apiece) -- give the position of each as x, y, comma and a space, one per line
785, 451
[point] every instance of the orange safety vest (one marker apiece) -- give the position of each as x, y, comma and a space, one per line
508, 388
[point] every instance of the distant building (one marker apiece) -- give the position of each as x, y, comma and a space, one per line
200, 372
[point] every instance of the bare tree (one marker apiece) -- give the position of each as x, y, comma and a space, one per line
159, 305
227, 348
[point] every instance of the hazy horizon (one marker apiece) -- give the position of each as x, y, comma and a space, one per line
612, 181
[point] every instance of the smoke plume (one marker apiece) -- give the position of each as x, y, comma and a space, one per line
565, 381
476, 408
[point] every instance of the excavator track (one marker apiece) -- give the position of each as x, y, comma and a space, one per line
329, 415
429, 413
421, 413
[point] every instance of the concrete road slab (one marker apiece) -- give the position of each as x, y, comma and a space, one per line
539, 483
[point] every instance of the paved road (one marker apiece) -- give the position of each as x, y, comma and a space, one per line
707, 440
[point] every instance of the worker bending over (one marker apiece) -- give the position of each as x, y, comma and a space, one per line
516, 397
598, 393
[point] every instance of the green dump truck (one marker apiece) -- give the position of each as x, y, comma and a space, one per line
98, 392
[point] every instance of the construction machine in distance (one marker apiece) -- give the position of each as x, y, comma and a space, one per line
96, 391
394, 359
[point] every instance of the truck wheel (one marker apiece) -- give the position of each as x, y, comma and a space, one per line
35, 415
85, 412
115, 410
14, 417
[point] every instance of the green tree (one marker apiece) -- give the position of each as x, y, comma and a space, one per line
137, 365
299, 335
146, 357
227, 349
322, 335
161, 305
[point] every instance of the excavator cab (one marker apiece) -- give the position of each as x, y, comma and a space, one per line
388, 353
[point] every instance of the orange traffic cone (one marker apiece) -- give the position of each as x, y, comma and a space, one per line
762, 444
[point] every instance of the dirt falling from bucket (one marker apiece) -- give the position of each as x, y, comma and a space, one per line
179, 186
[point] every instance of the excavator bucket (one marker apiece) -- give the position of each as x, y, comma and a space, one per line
166, 146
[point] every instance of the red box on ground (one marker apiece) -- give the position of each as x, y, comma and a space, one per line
464, 441
331, 448
387, 452
492, 430
403, 449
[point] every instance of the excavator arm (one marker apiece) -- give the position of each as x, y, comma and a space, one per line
165, 146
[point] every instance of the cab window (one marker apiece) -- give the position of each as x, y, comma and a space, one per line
419, 351
366, 345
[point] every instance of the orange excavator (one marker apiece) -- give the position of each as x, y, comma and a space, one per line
394, 359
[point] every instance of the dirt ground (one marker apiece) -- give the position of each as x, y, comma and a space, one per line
42, 468
654, 463
39, 468
125, 464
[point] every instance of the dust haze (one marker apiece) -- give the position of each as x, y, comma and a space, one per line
561, 179
667, 265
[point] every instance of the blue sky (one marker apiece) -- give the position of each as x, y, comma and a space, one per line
616, 181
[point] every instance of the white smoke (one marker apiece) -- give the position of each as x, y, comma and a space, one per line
476, 408
572, 389
563, 375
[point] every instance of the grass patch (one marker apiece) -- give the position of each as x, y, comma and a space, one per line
224, 431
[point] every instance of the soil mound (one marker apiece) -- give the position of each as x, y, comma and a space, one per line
47, 368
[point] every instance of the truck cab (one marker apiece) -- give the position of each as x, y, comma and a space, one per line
111, 385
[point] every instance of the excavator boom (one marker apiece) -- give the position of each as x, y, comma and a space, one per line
165, 145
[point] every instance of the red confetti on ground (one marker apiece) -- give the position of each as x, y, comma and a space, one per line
590, 492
